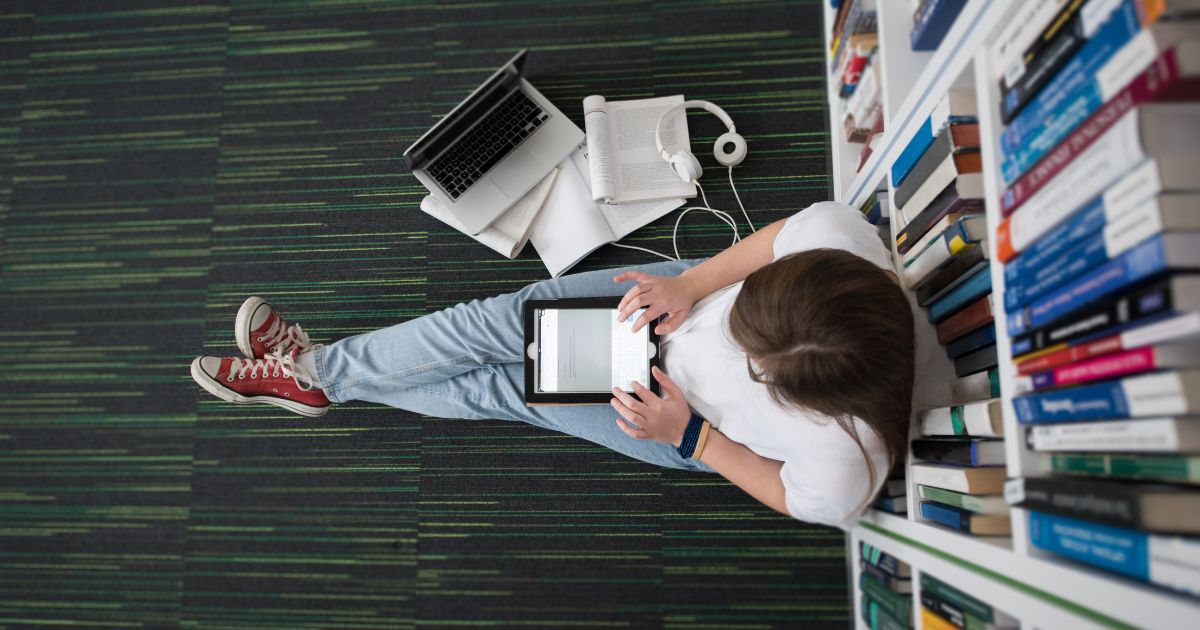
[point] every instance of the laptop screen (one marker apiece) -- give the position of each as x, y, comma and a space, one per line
588, 350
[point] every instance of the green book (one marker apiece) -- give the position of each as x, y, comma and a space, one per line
877, 619
1178, 468
970, 606
990, 504
894, 604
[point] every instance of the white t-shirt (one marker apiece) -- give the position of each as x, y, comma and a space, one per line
824, 474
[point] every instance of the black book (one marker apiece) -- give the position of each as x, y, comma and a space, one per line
951, 276
971, 342
1145, 507
961, 451
887, 563
977, 361
893, 583
1178, 294
1061, 39
937, 153
944, 609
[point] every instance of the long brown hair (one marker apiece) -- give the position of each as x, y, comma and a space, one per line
830, 332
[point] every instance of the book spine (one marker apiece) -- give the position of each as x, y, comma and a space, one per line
1063, 37
934, 22
977, 361
878, 619
1054, 273
1140, 262
1074, 77
972, 289
1158, 81
1087, 221
1111, 503
946, 515
944, 609
978, 314
887, 563
1156, 435
951, 276
1170, 468
969, 605
1152, 394
942, 147
985, 336
907, 159
894, 604
946, 203
1099, 347
1111, 366
1115, 549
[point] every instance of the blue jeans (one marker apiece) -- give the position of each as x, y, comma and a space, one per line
466, 362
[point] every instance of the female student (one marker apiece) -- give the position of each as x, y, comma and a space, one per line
795, 346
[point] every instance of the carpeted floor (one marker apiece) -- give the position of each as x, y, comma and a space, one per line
160, 161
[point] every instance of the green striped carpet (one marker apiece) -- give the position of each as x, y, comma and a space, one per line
159, 161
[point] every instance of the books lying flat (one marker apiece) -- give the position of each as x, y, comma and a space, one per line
976, 387
968, 604
1176, 392
969, 319
1142, 134
893, 583
953, 140
977, 361
973, 288
885, 561
893, 488
1116, 365
892, 505
987, 480
978, 419
1169, 561
894, 604
938, 284
957, 176
1159, 255
964, 521
1178, 328
1179, 294
956, 107
1062, 35
991, 504
1145, 435
876, 619
960, 451
1148, 507
968, 227
1167, 468
948, 201
972, 342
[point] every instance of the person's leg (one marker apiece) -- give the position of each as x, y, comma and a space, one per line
380, 366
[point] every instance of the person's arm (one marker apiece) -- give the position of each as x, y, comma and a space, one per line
665, 419
674, 296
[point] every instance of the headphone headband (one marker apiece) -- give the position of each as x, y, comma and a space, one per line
710, 107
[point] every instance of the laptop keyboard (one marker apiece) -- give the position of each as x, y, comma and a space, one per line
481, 148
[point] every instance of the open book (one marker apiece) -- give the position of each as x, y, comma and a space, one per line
508, 234
625, 164
571, 225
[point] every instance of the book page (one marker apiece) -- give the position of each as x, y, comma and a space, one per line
600, 165
508, 234
638, 171
569, 227
624, 218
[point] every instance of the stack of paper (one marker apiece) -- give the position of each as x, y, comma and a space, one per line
508, 235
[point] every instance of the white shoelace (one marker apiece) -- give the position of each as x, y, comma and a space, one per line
283, 340
274, 364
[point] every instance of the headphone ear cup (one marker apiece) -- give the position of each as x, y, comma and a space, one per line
686, 166
730, 157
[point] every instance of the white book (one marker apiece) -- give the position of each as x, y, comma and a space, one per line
978, 419
974, 388
1149, 435
976, 225
1169, 133
931, 259
982, 480
625, 164
970, 186
1165, 213
509, 233
571, 225
1026, 25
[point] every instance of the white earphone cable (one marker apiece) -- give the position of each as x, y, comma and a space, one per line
720, 214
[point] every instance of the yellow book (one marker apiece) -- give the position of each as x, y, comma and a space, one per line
930, 621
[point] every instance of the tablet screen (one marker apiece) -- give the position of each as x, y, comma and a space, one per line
588, 350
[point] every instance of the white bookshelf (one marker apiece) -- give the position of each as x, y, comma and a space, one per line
1041, 590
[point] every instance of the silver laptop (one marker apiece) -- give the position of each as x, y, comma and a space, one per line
493, 147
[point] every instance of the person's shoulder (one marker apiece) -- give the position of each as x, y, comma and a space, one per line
831, 225
826, 480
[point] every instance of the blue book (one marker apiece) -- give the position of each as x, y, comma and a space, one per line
965, 521
1068, 98
1088, 220
956, 107
1054, 273
975, 287
1159, 254
985, 336
933, 21
1159, 393
1169, 561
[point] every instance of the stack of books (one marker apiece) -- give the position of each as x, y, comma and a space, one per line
941, 231
944, 607
1101, 246
856, 74
959, 474
893, 497
886, 585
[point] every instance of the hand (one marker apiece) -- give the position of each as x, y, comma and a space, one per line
661, 419
672, 296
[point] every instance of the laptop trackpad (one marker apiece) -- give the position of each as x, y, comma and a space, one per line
518, 173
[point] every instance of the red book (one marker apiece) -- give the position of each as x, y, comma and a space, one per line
971, 317
1162, 81
1117, 365
1054, 359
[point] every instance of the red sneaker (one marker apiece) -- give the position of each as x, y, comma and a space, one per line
259, 331
274, 379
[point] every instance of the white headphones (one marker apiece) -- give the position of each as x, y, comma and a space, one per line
683, 162
687, 167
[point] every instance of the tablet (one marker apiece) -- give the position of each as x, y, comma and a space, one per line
576, 351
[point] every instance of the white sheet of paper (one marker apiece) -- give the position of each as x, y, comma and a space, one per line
508, 235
